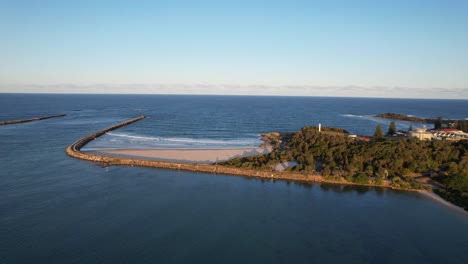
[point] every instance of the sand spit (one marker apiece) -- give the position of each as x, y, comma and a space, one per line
107, 160
11, 122
187, 155
74, 151
439, 199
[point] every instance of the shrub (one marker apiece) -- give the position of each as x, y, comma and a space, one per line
361, 179
378, 181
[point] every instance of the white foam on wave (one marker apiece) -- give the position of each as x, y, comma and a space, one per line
132, 136
188, 141
354, 116
367, 117
400, 124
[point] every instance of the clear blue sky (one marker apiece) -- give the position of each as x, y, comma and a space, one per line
371, 48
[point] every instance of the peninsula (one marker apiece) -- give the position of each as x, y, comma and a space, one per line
329, 155
401, 117
438, 122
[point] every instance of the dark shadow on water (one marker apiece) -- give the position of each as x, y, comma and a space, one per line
379, 191
361, 189
337, 188
325, 186
305, 185
348, 188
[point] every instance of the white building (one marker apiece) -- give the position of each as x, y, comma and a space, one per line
421, 134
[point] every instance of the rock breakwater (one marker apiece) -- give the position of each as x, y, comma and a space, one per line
74, 151
11, 122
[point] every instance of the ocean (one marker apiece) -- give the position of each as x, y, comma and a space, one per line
57, 209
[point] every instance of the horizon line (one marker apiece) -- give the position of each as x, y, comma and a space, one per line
239, 90
234, 95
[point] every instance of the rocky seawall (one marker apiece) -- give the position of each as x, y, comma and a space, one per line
74, 151
74, 148
11, 122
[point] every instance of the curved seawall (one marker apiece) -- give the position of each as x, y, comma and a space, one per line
74, 148
11, 122
74, 151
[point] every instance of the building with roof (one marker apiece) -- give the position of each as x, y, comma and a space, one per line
421, 134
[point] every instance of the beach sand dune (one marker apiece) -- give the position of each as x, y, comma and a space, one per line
187, 155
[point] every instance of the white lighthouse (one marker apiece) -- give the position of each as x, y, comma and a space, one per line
320, 127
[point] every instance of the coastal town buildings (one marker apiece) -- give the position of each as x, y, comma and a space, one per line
450, 134
440, 134
421, 134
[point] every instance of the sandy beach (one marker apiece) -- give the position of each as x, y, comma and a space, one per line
187, 155
439, 199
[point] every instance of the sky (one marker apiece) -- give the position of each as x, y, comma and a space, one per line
406, 48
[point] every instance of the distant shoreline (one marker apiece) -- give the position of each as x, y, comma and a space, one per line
415, 119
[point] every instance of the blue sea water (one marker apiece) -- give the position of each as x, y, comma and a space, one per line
56, 209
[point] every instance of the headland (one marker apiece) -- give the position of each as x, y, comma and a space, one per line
314, 154
106, 158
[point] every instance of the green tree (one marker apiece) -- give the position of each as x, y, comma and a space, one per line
410, 128
463, 125
326, 171
345, 160
361, 179
438, 123
392, 129
378, 132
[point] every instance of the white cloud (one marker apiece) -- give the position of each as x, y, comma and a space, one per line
229, 89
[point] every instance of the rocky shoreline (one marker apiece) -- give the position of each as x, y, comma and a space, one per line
415, 119
74, 151
400, 117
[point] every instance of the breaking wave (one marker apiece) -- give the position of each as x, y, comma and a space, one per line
356, 116
121, 140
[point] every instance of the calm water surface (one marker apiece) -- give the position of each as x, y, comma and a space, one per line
56, 209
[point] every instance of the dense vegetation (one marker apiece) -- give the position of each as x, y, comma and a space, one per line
394, 116
438, 122
333, 154
392, 129
454, 196
378, 132
462, 125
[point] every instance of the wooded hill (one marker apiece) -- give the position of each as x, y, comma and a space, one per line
332, 153
438, 122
